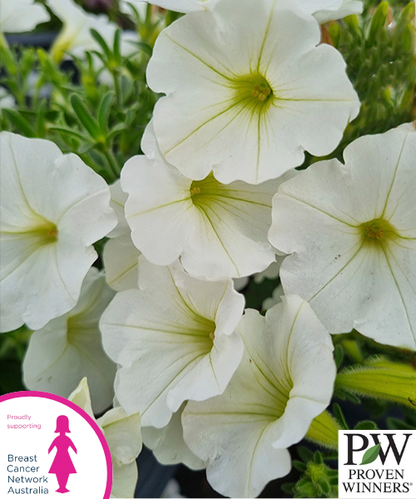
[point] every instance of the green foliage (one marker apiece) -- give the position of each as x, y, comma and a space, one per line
378, 48
12, 351
98, 108
318, 479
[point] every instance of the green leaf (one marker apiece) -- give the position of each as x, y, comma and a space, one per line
398, 424
371, 454
40, 122
378, 22
339, 416
71, 133
20, 123
101, 42
116, 46
299, 465
115, 131
366, 425
339, 355
85, 117
145, 47
318, 457
324, 486
104, 111
305, 454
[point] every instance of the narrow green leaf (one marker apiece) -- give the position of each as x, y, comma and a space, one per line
84, 117
115, 131
21, 124
339, 415
398, 424
101, 42
116, 46
378, 21
299, 465
71, 133
86, 148
104, 111
371, 454
339, 355
40, 122
145, 47
305, 454
324, 486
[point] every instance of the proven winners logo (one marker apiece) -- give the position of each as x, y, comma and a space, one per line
377, 464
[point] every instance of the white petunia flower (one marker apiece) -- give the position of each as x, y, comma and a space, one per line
331, 10
173, 339
120, 256
7, 100
18, 16
75, 36
122, 433
322, 10
53, 208
284, 381
68, 348
217, 230
351, 233
247, 107
168, 444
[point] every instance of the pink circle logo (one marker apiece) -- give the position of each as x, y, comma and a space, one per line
51, 446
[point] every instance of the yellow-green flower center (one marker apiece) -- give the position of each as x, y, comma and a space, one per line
377, 230
44, 232
252, 89
201, 191
261, 92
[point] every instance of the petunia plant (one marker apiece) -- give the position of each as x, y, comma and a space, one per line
208, 229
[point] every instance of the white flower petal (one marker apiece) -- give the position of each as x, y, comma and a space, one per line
210, 118
217, 230
75, 36
283, 382
124, 480
168, 444
331, 10
81, 397
18, 16
7, 100
156, 208
161, 336
118, 200
122, 433
69, 348
321, 218
323, 10
51, 216
121, 260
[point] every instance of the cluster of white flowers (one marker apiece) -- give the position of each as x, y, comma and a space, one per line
214, 197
